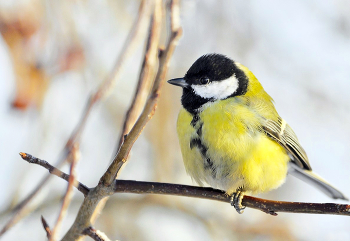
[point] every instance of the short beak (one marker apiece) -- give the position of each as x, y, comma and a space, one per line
179, 82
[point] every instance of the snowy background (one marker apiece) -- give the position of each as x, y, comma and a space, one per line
300, 52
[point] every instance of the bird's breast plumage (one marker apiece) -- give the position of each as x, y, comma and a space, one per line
224, 146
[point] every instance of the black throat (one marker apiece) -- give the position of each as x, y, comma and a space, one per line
192, 102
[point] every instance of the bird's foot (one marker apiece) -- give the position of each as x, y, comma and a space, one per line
236, 201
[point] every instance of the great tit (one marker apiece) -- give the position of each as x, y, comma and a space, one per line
231, 136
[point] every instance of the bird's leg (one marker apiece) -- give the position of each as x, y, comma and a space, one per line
236, 200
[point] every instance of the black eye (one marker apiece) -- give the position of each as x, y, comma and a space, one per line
204, 80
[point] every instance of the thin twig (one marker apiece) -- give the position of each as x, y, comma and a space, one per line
20, 210
175, 15
53, 170
150, 106
74, 157
146, 73
46, 227
96, 235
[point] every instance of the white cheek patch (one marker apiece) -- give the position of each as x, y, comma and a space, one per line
217, 90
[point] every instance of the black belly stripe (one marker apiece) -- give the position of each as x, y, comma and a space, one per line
196, 142
194, 121
199, 131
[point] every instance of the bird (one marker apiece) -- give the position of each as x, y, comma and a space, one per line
231, 136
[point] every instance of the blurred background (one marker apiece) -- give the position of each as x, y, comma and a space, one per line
54, 54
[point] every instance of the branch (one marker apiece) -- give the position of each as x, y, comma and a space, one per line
96, 235
267, 206
72, 182
146, 73
53, 170
150, 106
46, 227
19, 210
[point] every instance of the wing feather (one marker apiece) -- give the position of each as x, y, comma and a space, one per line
281, 132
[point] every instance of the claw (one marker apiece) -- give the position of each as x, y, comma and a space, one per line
236, 201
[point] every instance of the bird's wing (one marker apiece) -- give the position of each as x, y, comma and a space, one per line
281, 132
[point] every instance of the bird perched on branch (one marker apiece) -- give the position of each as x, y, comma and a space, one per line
231, 135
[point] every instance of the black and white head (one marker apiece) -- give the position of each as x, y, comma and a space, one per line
212, 77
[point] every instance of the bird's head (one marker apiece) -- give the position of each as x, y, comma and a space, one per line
212, 77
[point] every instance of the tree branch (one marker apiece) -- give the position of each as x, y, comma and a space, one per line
96, 235
72, 182
46, 227
53, 170
146, 73
19, 211
267, 206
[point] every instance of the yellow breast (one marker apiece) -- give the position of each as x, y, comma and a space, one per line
232, 151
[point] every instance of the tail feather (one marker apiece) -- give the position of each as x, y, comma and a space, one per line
317, 181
